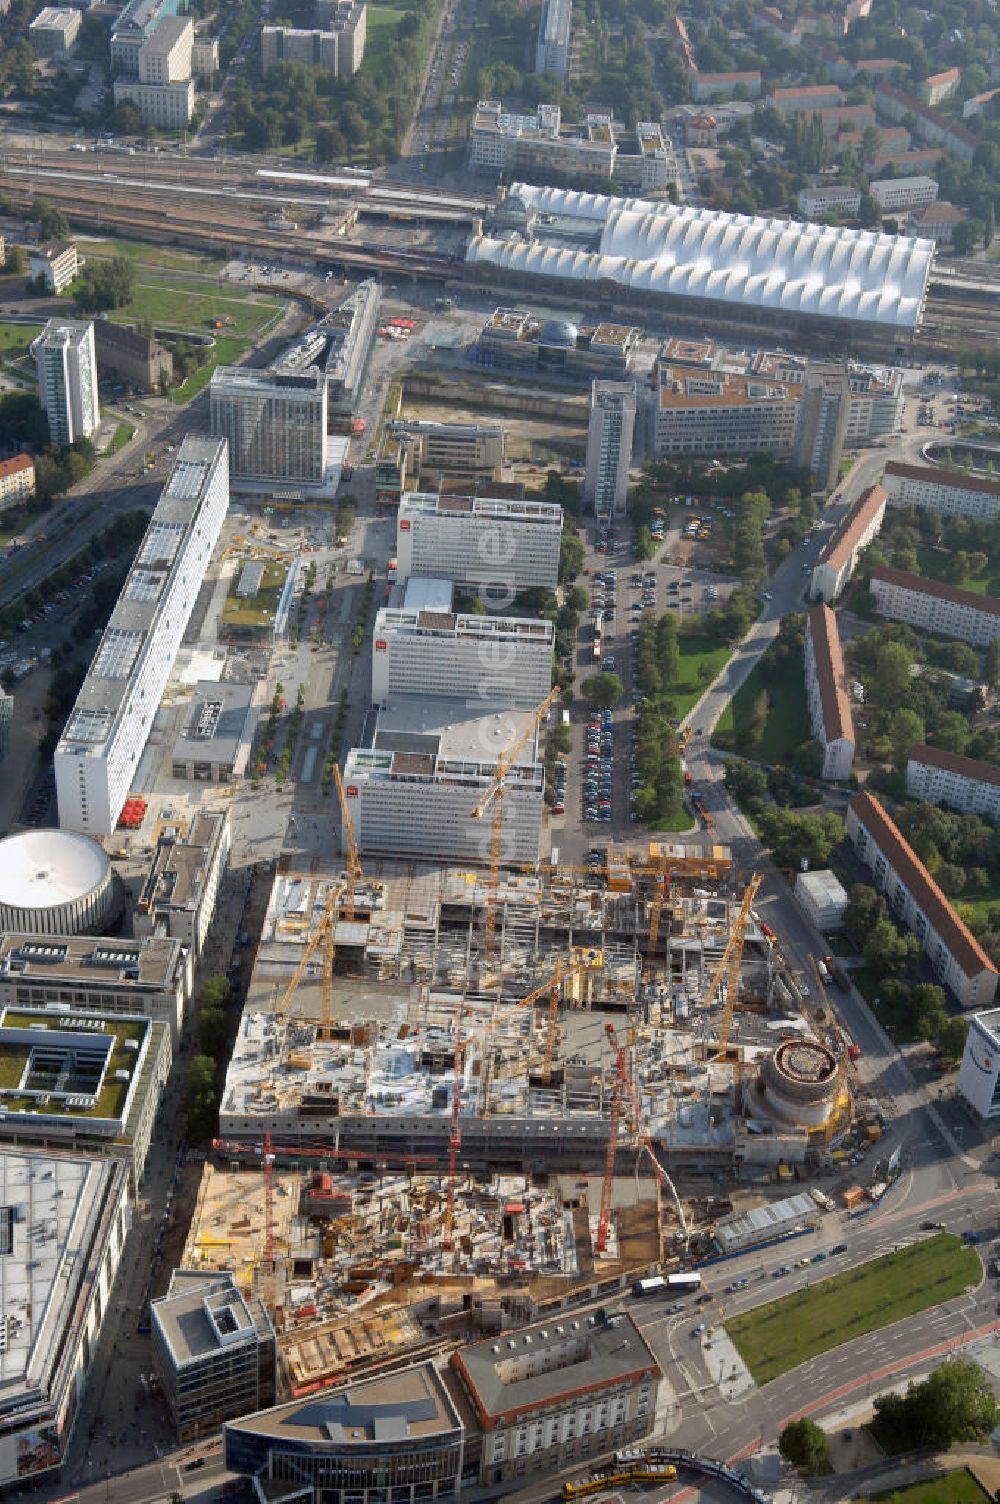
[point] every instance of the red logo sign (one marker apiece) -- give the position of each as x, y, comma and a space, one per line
404, 526
380, 645
351, 791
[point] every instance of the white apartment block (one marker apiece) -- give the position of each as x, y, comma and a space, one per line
956, 957
876, 403
166, 106
205, 57
67, 379
501, 660
17, 481
54, 31
57, 264
610, 432
963, 783
274, 423
166, 56
412, 794
933, 606
837, 562
826, 693
979, 1073
952, 493
717, 412
502, 546
106, 732
894, 195
552, 47
839, 197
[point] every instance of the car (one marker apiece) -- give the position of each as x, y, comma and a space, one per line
699, 1329
838, 1248
804, 1261
704, 1299
678, 1305
932, 1226
781, 1271
767, 596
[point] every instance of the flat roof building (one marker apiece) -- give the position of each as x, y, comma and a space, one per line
979, 1073
135, 23
78, 1078
552, 46
106, 732
759, 1224
837, 562
814, 202
953, 493
899, 195
610, 431
498, 660
935, 606
719, 412
962, 783
826, 693
213, 745
54, 31
435, 449
516, 337
165, 55
501, 546
396, 1435
351, 329
151, 976
17, 481
64, 1221
66, 366
823, 897
214, 1351
548, 1396
167, 106
412, 793
181, 888
957, 959
274, 423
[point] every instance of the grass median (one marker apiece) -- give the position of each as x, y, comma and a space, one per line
777, 1337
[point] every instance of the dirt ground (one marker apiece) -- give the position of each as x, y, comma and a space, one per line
537, 441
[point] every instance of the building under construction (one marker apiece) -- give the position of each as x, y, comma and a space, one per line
504, 1022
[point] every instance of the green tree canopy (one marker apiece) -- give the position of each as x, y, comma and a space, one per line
604, 690
804, 1444
954, 1403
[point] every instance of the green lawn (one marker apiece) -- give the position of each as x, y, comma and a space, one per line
787, 725
227, 352
696, 651
977, 902
255, 610
195, 306
15, 339
959, 1487
167, 257
120, 437
933, 565
782, 1335
382, 23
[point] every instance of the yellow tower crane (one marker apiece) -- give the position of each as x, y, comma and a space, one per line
727, 974
354, 873
493, 799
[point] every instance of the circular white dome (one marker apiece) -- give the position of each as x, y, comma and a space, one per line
55, 882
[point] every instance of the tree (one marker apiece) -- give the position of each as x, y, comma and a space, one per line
807, 759
954, 1403
105, 284
927, 1017
906, 730
746, 783
951, 1036
804, 1444
865, 909
887, 953
52, 222
578, 599
967, 236
991, 663
571, 555
17, 260
604, 690
893, 664
202, 1097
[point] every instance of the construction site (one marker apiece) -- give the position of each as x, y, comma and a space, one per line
460, 1097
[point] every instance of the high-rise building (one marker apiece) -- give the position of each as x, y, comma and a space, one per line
274, 423
107, 728
501, 545
67, 379
609, 446
507, 660
552, 46
819, 442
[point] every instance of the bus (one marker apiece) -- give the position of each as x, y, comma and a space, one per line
597, 650
671, 1284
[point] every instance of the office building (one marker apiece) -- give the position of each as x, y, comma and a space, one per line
716, 412
273, 422
552, 46
548, 1396
56, 264
67, 380
430, 449
350, 332
131, 357
17, 481
957, 959
133, 26
938, 87
900, 195
827, 694
205, 57
934, 606
180, 891
54, 31
952, 493
822, 425
979, 1073
151, 975
165, 106
515, 337
106, 732
962, 783
86, 1079
601, 154
838, 560
165, 56
213, 744
65, 1219
499, 660
213, 1350
412, 793
395, 1436
875, 403
840, 198
288, 44
501, 546
609, 447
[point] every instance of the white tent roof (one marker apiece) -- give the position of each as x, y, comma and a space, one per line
761, 263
